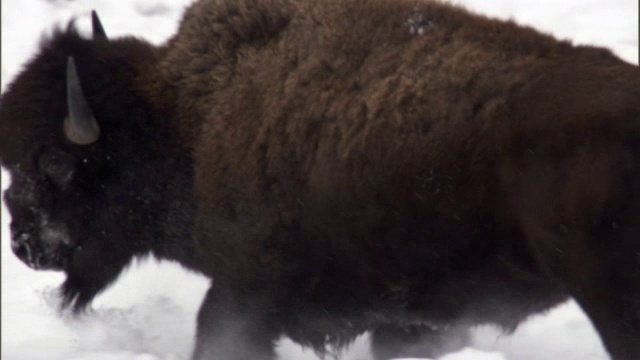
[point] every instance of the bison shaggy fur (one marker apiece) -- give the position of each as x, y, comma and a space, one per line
338, 166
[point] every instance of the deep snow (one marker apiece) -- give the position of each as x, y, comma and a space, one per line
150, 313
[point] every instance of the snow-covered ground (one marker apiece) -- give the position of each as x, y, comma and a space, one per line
150, 313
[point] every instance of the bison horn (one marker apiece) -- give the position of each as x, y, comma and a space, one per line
98, 29
80, 127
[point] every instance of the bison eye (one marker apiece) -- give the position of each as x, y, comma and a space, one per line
58, 166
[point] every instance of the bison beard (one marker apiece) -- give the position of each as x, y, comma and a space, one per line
339, 166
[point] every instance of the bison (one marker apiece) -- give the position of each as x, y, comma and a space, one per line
401, 167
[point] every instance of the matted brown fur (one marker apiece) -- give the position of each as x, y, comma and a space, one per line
397, 166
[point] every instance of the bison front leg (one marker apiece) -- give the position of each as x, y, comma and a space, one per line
392, 341
232, 327
602, 272
578, 203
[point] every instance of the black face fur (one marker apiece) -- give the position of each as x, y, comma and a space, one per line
64, 198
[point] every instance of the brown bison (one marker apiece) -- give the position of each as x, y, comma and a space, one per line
336, 166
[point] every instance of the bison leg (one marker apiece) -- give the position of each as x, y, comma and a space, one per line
391, 341
581, 216
602, 273
232, 328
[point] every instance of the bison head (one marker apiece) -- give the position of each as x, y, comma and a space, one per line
75, 128
40, 234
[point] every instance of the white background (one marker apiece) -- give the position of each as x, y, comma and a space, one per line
150, 313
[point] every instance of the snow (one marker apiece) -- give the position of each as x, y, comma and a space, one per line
150, 313
419, 23
473, 354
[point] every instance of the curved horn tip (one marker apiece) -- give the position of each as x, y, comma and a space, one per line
98, 29
80, 127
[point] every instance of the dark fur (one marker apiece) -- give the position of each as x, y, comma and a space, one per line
340, 166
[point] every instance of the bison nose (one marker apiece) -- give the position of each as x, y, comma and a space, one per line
19, 235
29, 254
21, 248
22, 244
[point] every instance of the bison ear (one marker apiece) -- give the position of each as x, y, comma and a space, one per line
98, 29
80, 127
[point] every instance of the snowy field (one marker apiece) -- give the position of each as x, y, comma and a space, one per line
150, 313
